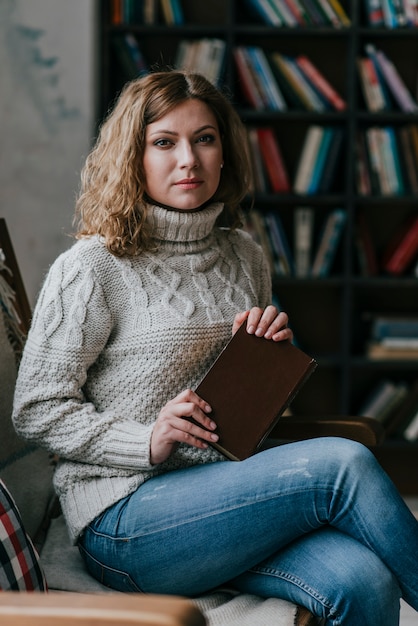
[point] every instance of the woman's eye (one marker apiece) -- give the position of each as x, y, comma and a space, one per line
162, 143
206, 139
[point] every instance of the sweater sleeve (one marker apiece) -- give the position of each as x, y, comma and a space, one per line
70, 328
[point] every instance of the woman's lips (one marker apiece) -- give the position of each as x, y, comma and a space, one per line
189, 183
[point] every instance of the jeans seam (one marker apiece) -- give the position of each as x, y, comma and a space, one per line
269, 571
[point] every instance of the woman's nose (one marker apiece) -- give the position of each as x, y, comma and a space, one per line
188, 156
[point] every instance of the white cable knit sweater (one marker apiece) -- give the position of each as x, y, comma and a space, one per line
113, 339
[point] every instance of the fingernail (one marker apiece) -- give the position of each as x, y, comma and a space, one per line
208, 408
214, 437
251, 329
259, 332
213, 425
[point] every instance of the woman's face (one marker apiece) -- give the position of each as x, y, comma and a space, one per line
183, 156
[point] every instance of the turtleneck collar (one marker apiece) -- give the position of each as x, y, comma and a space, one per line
182, 227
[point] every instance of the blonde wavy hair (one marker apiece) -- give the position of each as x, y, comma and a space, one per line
112, 200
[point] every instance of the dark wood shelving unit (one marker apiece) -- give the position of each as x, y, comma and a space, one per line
326, 314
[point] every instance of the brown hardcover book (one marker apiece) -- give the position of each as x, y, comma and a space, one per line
249, 386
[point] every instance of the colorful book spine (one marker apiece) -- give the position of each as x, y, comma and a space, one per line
273, 160
320, 83
273, 95
307, 159
328, 245
402, 248
266, 11
320, 161
397, 87
374, 11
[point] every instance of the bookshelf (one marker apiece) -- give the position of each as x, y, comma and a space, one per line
330, 314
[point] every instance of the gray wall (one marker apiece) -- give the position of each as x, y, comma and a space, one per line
47, 105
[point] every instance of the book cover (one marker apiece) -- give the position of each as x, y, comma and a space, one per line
249, 386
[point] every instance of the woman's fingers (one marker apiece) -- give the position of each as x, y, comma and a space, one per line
269, 323
182, 420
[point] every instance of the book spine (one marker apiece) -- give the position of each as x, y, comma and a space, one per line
339, 11
396, 84
259, 181
329, 243
319, 82
374, 12
320, 161
247, 82
286, 13
261, 66
297, 81
280, 243
307, 159
303, 235
404, 252
370, 84
389, 15
273, 160
265, 11
329, 13
334, 153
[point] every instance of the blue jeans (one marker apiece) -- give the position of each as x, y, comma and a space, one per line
315, 522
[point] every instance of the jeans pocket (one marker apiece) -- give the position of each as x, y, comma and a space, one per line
108, 576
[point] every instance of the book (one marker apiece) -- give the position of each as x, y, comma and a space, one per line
266, 11
307, 158
249, 386
295, 78
384, 326
384, 399
273, 96
320, 83
328, 175
303, 236
402, 247
365, 247
370, 85
374, 12
273, 160
399, 91
247, 82
281, 248
328, 243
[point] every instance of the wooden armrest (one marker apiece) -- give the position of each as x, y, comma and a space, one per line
79, 609
362, 429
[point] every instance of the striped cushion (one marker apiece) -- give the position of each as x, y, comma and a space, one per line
20, 569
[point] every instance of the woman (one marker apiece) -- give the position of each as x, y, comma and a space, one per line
128, 321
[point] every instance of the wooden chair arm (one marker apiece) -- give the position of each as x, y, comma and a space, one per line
362, 429
79, 609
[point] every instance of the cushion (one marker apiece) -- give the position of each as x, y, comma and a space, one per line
20, 569
26, 470
65, 571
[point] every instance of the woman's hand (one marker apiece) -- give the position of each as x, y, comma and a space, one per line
171, 428
268, 323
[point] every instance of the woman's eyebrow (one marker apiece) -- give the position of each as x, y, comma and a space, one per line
174, 133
